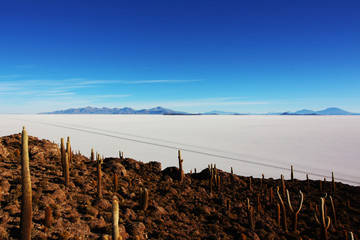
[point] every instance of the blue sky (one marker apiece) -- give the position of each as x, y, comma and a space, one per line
196, 56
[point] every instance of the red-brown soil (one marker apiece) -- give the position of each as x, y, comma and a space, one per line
177, 210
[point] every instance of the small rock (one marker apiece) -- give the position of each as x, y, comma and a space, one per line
137, 229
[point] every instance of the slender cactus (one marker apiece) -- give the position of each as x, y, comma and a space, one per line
333, 212
283, 187
68, 149
324, 224
351, 236
250, 215
333, 182
143, 199
295, 213
228, 206
92, 156
48, 217
62, 151
271, 195
278, 214
66, 170
250, 184
181, 171
308, 181
26, 199
99, 176
282, 209
115, 218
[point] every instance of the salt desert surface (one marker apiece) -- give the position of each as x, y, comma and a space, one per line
252, 145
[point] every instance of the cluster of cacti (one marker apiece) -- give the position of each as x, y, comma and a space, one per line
295, 212
214, 179
121, 155
283, 210
323, 220
65, 160
143, 199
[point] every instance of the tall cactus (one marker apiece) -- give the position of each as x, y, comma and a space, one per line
92, 155
67, 170
68, 149
115, 218
295, 213
48, 217
143, 199
181, 171
250, 214
282, 209
26, 199
63, 153
99, 161
324, 224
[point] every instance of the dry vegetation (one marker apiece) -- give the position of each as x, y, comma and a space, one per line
163, 204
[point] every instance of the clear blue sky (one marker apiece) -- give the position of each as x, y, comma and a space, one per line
195, 56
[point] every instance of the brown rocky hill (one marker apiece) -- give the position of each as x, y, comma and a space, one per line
176, 209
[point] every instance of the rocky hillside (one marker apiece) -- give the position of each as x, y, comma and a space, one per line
176, 209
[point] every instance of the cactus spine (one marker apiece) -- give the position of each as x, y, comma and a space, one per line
143, 199
295, 213
292, 173
115, 218
282, 209
26, 199
324, 224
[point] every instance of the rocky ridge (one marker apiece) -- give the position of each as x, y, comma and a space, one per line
176, 209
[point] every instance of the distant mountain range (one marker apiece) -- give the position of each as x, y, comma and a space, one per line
125, 110
328, 111
165, 111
